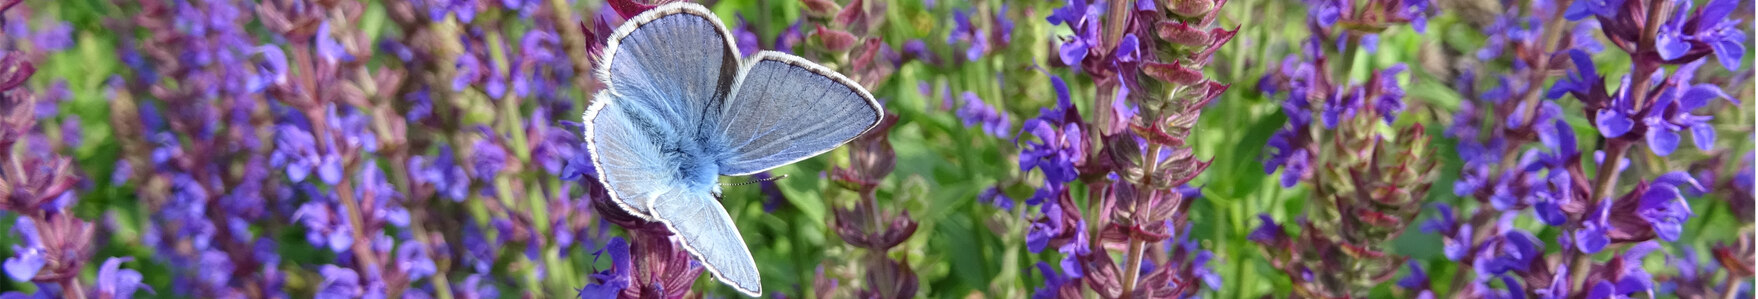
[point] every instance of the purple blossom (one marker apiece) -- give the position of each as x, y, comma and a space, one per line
487, 158
412, 260
56, 38
1709, 29
1583, 81
994, 196
328, 48
339, 283
1602, 8
1082, 18
1053, 282
118, 283
1391, 96
465, 9
469, 69
29, 258
271, 69
1061, 145
1267, 232
609, 282
964, 31
1057, 152
476, 287
975, 113
788, 38
525, 7
1341, 105
1558, 188
296, 150
1592, 237
1672, 113
918, 49
420, 105
1288, 152
1514, 250
1664, 208
324, 226
48, 105
1417, 280
1325, 12
746, 37
536, 53
1624, 275
351, 129
443, 172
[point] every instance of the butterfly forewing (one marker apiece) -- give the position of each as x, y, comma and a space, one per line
668, 71
786, 109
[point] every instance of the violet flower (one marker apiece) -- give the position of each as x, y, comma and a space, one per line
976, 113
1707, 29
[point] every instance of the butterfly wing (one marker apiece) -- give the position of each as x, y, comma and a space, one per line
709, 234
667, 69
785, 109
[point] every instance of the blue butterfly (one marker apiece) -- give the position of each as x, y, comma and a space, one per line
681, 110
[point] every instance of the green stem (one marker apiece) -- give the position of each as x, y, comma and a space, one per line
1132, 259
1603, 184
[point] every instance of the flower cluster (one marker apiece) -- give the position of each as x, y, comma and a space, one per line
347, 140
1132, 160
1366, 188
1534, 161
39, 186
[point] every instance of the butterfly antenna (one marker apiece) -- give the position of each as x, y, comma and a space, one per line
771, 179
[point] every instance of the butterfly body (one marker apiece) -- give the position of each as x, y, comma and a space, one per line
681, 109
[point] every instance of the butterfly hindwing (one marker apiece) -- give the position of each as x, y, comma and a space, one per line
785, 109
624, 148
709, 234
668, 70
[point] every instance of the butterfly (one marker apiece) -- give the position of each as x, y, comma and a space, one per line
681, 109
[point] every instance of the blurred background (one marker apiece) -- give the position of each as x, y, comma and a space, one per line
431, 149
